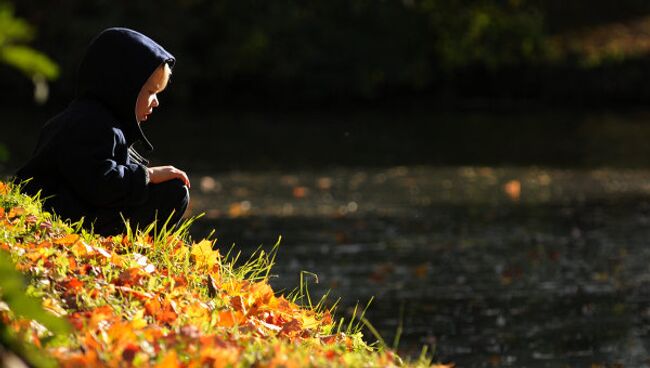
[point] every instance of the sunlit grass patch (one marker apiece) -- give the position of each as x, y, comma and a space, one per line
156, 297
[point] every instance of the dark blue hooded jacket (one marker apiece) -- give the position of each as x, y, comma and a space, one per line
84, 159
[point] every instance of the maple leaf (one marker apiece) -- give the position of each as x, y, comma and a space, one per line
204, 256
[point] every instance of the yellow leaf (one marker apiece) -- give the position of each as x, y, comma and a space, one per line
81, 249
204, 256
138, 320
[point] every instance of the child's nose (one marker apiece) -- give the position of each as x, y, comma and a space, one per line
154, 103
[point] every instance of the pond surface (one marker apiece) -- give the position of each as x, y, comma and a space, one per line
522, 267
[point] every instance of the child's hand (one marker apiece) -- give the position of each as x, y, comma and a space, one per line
161, 174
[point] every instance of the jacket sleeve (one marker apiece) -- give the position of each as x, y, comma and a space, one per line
93, 162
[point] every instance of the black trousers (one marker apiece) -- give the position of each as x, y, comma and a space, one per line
166, 200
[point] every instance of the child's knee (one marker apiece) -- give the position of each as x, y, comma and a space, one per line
173, 193
179, 192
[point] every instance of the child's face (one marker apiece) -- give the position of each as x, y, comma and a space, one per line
148, 96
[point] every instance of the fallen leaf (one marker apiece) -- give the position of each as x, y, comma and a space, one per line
129, 277
73, 284
204, 256
170, 360
67, 240
16, 211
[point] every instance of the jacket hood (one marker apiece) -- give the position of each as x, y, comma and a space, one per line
115, 67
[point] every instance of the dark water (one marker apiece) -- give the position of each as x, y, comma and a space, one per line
555, 273
516, 240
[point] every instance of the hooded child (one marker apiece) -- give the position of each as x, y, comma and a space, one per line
85, 164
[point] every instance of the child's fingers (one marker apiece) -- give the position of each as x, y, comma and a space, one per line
183, 176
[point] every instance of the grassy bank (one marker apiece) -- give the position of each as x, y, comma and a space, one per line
154, 297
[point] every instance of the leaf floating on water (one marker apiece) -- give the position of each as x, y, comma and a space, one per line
300, 192
513, 189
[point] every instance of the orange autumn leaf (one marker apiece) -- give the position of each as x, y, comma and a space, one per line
162, 311
282, 304
72, 263
34, 256
67, 240
73, 284
228, 318
261, 291
4, 189
116, 260
170, 360
121, 333
81, 249
152, 307
16, 211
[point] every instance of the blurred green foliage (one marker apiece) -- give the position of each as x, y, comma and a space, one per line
14, 33
12, 292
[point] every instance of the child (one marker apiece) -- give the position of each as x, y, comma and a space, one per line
85, 164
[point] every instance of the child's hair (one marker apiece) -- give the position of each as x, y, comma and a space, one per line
166, 71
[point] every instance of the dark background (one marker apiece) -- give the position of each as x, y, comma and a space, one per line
293, 54
326, 83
